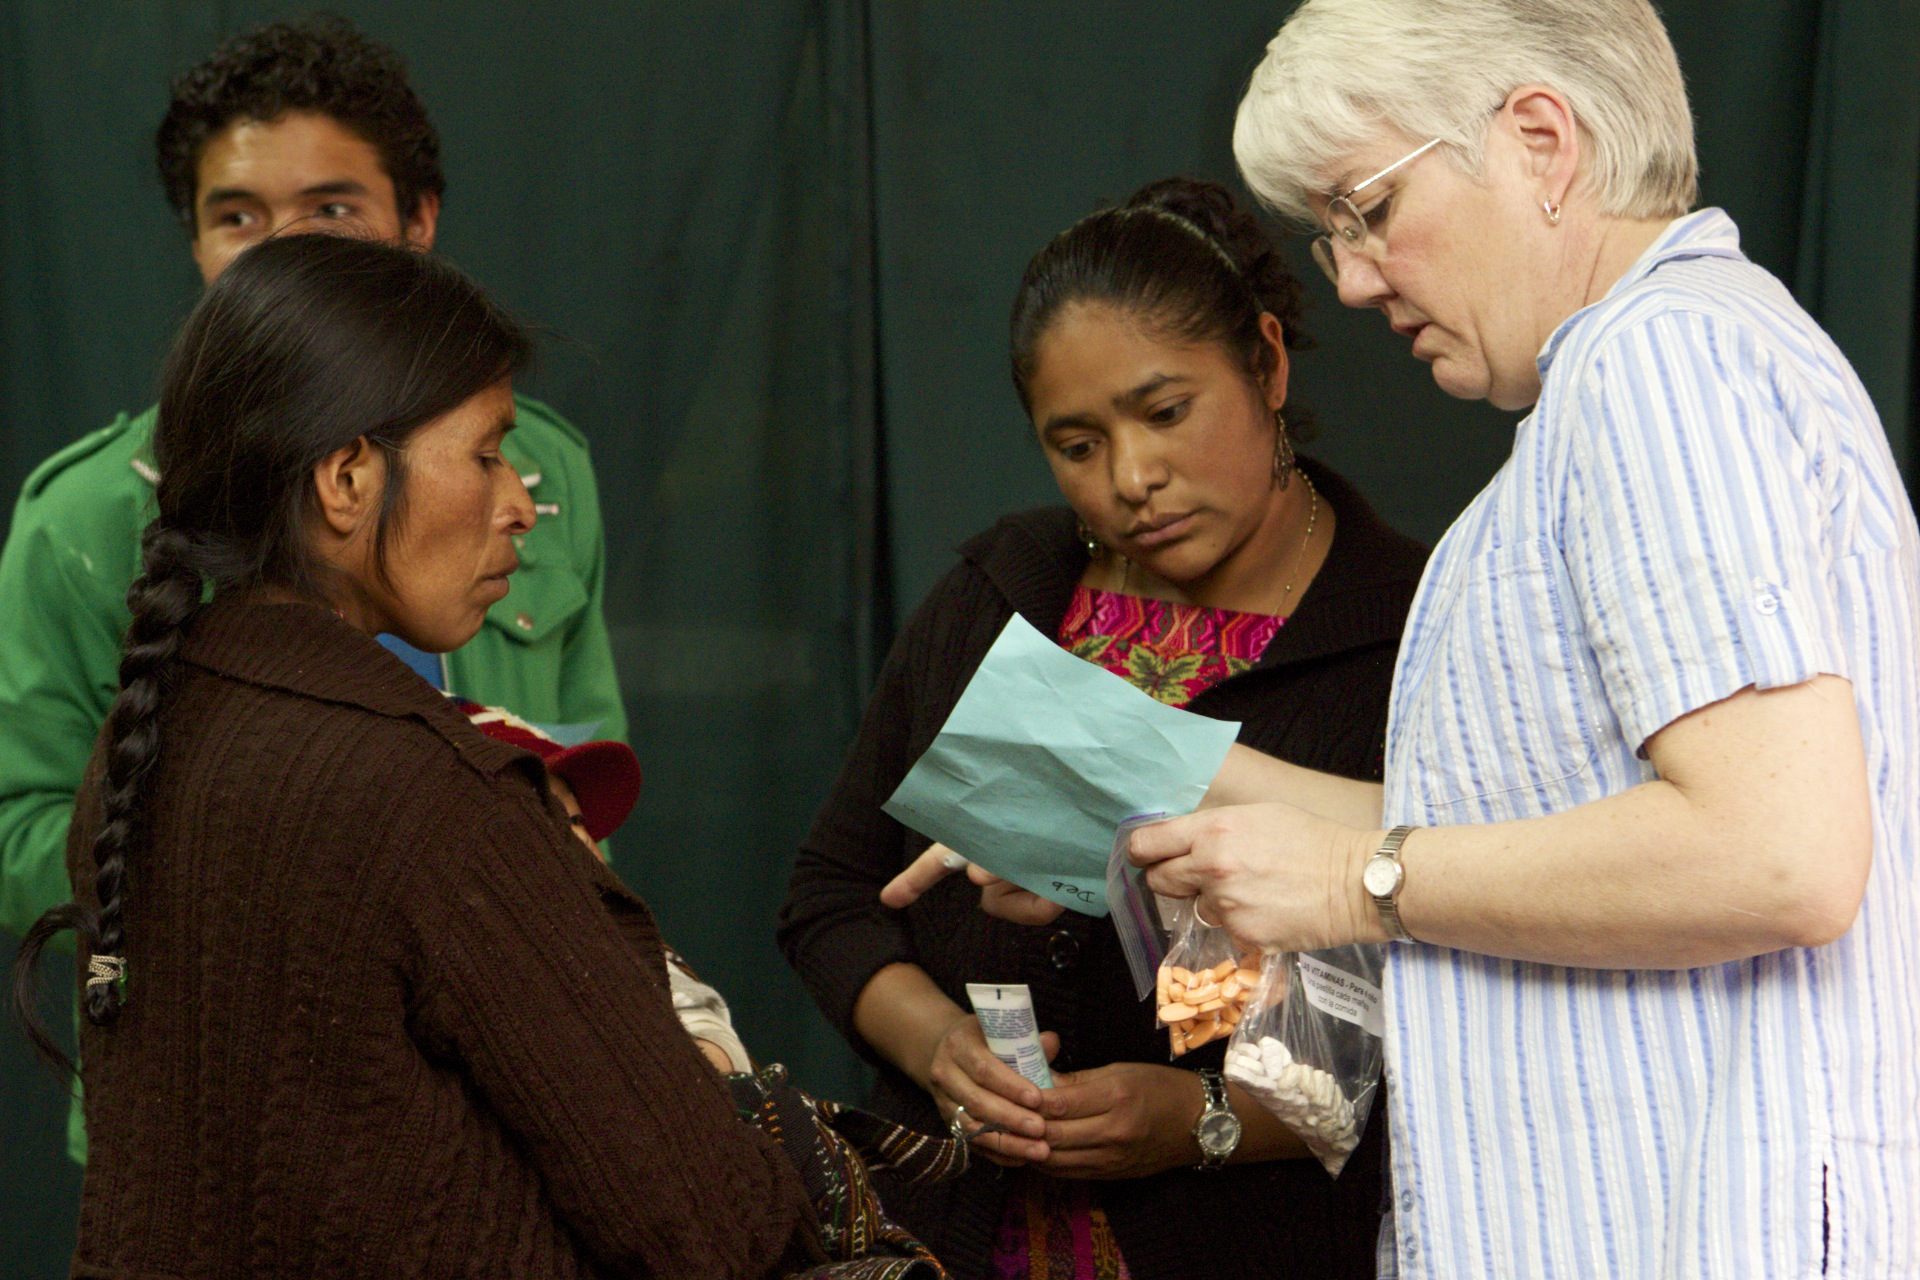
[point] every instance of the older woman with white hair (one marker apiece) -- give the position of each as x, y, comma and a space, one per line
1651, 818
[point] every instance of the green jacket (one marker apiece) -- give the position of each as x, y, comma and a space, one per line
74, 548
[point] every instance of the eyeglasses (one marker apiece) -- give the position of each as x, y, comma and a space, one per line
1345, 220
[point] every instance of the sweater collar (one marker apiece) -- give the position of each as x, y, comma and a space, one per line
314, 653
1359, 598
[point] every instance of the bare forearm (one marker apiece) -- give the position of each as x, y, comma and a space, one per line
1250, 777
1756, 837
1643, 879
1262, 1135
903, 1014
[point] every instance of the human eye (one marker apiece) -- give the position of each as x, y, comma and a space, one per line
1376, 213
1076, 450
336, 209
236, 219
1169, 414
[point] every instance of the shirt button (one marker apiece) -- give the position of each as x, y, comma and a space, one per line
1406, 1201
524, 621
1766, 603
1062, 950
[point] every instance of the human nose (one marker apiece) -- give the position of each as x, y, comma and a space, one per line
516, 514
1137, 467
1359, 281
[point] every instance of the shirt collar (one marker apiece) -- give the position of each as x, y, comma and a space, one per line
313, 652
1705, 233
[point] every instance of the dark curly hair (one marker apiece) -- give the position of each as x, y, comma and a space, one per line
1182, 256
323, 65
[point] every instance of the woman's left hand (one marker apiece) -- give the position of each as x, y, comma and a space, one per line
1123, 1120
1000, 898
1278, 878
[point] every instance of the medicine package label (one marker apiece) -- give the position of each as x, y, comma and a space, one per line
1340, 994
1043, 756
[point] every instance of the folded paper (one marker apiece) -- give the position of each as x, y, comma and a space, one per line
1043, 756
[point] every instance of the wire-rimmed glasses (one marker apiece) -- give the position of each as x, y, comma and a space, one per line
1345, 220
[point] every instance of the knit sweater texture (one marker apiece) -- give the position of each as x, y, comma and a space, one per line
385, 1016
1317, 697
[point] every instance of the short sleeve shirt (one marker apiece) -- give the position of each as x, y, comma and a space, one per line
1702, 500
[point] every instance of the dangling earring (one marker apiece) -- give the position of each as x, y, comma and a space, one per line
1553, 211
1282, 452
1083, 531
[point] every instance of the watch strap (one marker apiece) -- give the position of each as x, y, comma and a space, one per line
1213, 1087
1388, 904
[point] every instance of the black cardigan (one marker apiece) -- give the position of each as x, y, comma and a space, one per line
1317, 697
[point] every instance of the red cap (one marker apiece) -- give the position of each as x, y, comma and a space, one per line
605, 776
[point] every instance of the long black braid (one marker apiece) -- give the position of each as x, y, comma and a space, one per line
304, 346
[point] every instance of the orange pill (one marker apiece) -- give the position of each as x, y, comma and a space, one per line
1171, 1013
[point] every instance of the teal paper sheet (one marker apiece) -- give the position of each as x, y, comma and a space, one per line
1043, 756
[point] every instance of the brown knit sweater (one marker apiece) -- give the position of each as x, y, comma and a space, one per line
385, 1016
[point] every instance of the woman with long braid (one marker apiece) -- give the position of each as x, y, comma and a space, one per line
355, 1002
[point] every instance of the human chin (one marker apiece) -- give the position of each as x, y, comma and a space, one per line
1461, 375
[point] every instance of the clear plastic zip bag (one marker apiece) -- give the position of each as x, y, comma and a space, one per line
1201, 982
1203, 987
1309, 1046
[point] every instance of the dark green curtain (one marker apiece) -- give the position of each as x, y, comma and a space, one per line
775, 243
997, 125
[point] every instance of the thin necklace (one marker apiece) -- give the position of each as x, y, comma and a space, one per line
1299, 558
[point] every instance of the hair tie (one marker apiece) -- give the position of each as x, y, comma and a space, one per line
104, 971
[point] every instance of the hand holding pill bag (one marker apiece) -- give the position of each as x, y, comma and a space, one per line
1043, 756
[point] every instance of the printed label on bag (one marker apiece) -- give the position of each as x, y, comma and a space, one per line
1342, 995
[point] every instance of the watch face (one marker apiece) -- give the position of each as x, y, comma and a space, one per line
1381, 877
1219, 1133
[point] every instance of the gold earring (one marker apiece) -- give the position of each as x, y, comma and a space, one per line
1282, 451
1553, 211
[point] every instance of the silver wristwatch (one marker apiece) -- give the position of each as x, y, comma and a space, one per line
1217, 1131
1384, 875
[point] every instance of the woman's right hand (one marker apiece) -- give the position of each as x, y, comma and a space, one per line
964, 1073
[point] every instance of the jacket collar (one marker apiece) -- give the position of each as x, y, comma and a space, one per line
314, 653
1359, 598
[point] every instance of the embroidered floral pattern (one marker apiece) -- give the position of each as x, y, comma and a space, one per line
1174, 652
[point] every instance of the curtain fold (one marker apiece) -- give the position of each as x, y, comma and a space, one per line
1862, 200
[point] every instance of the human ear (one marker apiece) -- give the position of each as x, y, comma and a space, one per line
1549, 139
418, 230
348, 483
1275, 338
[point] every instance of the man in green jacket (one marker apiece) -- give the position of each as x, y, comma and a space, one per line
289, 127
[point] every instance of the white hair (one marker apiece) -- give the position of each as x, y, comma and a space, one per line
1343, 72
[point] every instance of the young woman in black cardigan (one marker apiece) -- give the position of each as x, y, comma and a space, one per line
1202, 560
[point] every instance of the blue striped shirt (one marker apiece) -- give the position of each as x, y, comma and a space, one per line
1701, 500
